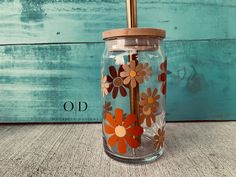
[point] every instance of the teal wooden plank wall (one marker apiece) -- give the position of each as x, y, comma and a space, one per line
50, 53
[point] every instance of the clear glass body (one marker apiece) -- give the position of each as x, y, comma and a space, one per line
133, 85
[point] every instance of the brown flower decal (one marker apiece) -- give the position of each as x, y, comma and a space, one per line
149, 99
122, 131
159, 138
116, 82
147, 113
148, 71
149, 106
162, 76
133, 74
106, 108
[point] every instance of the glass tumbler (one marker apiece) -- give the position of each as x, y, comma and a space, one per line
133, 85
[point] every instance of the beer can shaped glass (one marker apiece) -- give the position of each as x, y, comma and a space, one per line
133, 86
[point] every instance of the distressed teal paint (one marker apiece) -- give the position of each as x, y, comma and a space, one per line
37, 76
44, 21
36, 80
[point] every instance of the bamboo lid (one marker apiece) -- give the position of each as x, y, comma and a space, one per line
133, 32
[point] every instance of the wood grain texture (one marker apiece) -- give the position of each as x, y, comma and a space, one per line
50, 21
36, 81
191, 149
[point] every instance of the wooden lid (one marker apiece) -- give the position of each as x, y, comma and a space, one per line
132, 32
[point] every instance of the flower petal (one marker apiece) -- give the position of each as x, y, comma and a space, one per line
141, 73
120, 70
159, 132
112, 140
121, 146
115, 92
135, 131
154, 92
139, 79
127, 80
163, 88
103, 92
126, 68
133, 83
143, 95
124, 74
152, 117
139, 67
132, 142
162, 77
119, 115
143, 102
141, 118
148, 121
108, 129
161, 144
149, 91
110, 88
158, 145
131, 118
155, 105
157, 97
156, 137
107, 103
163, 130
123, 91
110, 119
113, 72
163, 66
104, 79
109, 108
154, 109
109, 79
132, 65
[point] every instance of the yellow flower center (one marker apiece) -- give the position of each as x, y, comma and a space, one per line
147, 112
151, 100
120, 131
132, 73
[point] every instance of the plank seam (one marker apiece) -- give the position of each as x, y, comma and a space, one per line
98, 42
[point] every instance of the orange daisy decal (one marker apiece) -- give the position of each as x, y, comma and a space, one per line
159, 138
133, 74
162, 77
122, 131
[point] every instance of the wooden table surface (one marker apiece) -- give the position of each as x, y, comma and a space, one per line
192, 149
